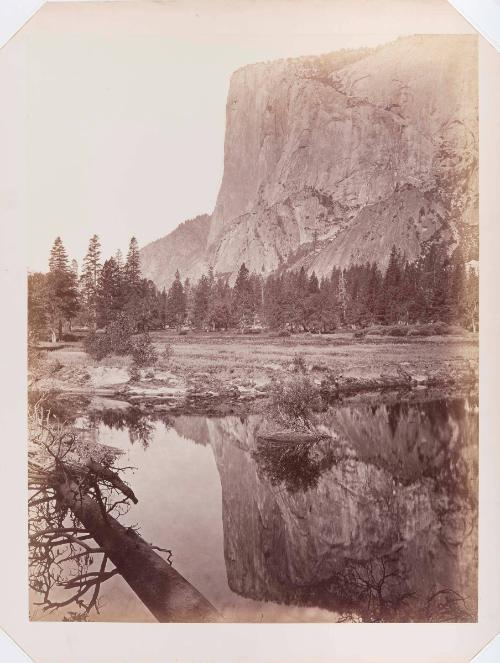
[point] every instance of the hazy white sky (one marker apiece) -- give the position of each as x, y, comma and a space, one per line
126, 108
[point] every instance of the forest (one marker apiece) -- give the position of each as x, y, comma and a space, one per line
436, 288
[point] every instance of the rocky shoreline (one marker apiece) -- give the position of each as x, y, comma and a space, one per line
202, 393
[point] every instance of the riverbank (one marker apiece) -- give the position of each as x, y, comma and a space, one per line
217, 373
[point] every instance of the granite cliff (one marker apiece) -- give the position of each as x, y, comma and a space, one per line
332, 159
183, 249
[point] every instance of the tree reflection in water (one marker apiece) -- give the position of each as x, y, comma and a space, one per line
378, 522
373, 520
297, 464
140, 425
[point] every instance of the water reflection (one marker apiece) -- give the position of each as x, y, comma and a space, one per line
375, 521
138, 423
379, 521
76, 502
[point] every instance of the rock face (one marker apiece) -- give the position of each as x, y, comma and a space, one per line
349, 153
330, 160
183, 249
367, 511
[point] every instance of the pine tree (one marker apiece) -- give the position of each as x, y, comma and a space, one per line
176, 302
189, 294
163, 307
392, 287
119, 259
133, 285
133, 266
244, 304
109, 299
89, 281
58, 260
220, 308
62, 293
342, 297
201, 302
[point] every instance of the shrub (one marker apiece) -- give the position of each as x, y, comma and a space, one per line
168, 352
282, 333
398, 331
116, 339
294, 401
143, 351
299, 363
70, 338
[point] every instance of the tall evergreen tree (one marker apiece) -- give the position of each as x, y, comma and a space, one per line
119, 259
133, 265
109, 301
244, 301
62, 293
133, 287
220, 308
89, 281
201, 304
176, 302
342, 297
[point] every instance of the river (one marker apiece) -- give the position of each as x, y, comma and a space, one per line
376, 522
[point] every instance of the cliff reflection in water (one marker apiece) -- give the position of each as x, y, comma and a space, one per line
378, 523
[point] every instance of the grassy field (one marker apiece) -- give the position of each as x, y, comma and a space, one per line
233, 366
229, 354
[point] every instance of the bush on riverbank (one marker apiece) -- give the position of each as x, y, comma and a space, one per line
294, 401
119, 339
143, 351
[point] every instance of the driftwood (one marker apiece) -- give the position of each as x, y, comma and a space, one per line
162, 589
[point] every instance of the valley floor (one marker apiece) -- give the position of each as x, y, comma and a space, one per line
216, 373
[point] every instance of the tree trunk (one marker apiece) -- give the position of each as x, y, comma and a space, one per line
53, 335
169, 596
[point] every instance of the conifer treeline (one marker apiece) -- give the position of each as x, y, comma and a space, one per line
58, 299
435, 288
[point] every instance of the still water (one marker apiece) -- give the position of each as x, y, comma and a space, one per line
377, 522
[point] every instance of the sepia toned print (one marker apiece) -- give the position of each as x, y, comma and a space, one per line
271, 413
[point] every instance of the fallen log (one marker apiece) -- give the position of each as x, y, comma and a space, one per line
111, 477
292, 437
162, 589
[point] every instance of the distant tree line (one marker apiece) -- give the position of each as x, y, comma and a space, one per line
434, 288
61, 298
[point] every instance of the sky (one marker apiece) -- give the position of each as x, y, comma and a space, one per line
126, 108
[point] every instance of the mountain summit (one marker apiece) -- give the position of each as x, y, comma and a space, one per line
331, 160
